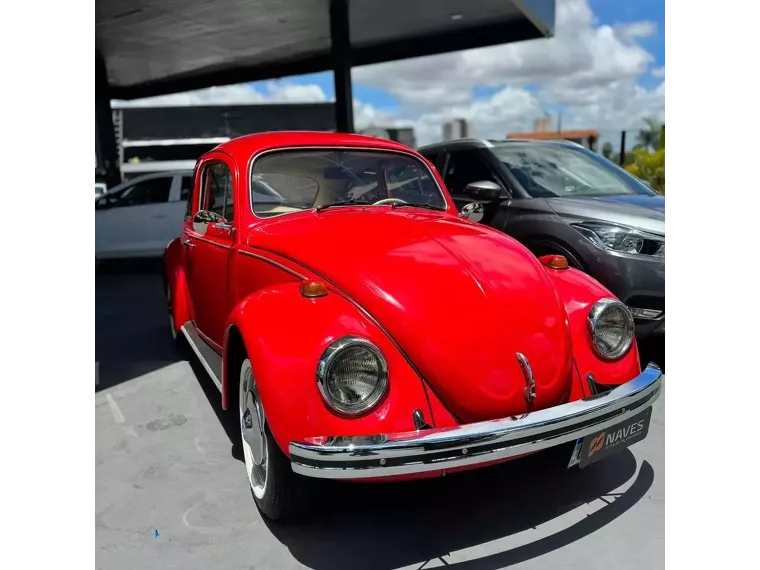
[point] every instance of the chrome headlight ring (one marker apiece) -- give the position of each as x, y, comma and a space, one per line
352, 376
599, 317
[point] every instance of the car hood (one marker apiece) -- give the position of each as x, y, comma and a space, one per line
460, 300
637, 211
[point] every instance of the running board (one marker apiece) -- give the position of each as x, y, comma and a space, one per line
210, 359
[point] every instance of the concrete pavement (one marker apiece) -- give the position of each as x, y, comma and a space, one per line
164, 461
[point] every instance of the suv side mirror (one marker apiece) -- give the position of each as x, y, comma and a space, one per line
483, 190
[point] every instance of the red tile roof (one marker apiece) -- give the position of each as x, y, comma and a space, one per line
554, 135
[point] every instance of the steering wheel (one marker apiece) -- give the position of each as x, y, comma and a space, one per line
389, 201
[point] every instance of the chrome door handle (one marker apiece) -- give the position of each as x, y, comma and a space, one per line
187, 243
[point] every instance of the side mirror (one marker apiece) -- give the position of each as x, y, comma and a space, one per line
472, 211
210, 223
483, 190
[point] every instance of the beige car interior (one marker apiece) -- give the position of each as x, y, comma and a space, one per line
309, 171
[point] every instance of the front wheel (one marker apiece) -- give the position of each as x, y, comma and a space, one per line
278, 491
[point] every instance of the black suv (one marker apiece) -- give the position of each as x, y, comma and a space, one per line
557, 197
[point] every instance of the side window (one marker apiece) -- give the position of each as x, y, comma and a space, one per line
432, 157
217, 190
151, 191
463, 167
186, 193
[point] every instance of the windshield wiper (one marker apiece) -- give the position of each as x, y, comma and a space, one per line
425, 206
341, 203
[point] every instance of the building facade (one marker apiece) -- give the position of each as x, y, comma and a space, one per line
151, 139
457, 129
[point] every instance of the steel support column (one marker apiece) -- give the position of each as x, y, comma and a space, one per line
105, 138
341, 62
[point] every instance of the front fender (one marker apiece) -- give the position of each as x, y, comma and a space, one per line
579, 292
284, 335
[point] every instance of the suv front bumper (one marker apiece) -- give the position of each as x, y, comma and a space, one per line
377, 456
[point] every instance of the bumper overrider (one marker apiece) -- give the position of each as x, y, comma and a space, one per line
391, 455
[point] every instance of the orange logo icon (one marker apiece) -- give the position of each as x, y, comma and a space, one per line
596, 444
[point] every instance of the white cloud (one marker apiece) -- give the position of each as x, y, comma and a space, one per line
281, 91
643, 29
590, 70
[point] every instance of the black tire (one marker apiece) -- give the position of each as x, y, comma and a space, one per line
287, 496
284, 495
177, 337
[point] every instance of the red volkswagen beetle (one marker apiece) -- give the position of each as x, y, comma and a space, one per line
360, 329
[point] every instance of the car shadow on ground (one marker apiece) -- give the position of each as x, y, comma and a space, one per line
385, 526
132, 335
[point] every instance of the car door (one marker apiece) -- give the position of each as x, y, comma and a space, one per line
461, 167
131, 221
208, 239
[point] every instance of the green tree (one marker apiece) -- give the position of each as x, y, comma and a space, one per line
607, 150
649, 138
649, 166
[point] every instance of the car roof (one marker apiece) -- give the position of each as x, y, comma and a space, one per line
250, 144
483, 143
148, 176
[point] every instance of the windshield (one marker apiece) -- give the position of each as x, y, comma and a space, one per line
546, 171
291, 181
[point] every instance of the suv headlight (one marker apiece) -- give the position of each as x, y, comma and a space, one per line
352, 375
625, 240
611, 327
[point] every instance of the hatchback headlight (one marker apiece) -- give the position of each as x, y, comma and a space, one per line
624, 240
352, 375
611, 328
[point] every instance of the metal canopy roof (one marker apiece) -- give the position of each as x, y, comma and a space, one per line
153, 47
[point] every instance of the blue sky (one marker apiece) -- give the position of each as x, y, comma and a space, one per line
604, 69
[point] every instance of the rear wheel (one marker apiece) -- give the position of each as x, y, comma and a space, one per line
278, 491
170, 309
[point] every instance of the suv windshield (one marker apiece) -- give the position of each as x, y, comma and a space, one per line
546, 171
291, 181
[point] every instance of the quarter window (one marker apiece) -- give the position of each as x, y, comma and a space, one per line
217, 190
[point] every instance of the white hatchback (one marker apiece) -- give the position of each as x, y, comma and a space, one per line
140, 216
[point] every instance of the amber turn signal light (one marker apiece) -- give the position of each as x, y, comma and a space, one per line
554, 261
312, 289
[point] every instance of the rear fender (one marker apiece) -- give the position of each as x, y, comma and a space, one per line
176, 282
284, 335
579, 291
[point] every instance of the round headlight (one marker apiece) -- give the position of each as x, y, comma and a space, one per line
352, 375
611, 327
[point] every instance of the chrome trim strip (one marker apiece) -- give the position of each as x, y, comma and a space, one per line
210, 242
434, 450
272, 262
190, 331
256, 156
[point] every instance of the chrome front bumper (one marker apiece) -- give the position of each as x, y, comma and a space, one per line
390, 455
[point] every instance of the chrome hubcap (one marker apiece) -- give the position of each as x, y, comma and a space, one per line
252, 428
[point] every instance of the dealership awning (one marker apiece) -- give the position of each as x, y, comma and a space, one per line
153, 47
